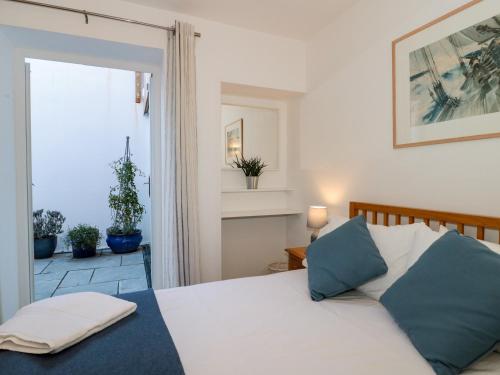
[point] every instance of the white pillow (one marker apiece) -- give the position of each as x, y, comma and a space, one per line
491, 245
424, 238
488, 365
394, 244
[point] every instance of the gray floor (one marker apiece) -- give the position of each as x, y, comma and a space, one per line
106, 273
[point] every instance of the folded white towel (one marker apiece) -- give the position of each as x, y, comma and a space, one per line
54, 324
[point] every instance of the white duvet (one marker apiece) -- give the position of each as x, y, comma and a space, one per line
269, 325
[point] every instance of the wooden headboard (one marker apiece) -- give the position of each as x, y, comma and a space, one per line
461, 221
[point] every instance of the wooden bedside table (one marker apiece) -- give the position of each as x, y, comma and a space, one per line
295, 257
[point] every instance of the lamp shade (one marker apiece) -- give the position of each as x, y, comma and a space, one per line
317, 217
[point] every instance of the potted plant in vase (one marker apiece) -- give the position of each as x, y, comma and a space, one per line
123, 236
46, 227
252, 168
84, 240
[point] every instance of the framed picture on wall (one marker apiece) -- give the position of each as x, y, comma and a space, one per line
446, 78
234, 140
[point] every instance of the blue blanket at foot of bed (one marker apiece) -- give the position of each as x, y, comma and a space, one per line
137, 344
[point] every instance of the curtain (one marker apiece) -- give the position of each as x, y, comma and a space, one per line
181, 160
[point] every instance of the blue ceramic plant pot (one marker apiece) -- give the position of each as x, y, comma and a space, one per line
80, 251
45, 247
124, 243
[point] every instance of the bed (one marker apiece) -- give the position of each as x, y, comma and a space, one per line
270, 325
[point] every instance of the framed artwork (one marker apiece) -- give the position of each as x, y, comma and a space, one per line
234, 140
446, 78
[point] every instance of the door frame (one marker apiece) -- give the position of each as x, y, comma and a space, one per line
22, 125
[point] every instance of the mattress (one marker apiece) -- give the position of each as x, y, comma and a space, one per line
269, 325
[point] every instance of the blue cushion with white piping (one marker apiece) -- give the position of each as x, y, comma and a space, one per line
342, 260
448, 303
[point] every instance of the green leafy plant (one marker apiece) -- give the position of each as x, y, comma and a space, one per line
83, 236
123, 198
47, 224
250, 167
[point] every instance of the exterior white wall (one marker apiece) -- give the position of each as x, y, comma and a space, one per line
224, 54
80, 117
346, 125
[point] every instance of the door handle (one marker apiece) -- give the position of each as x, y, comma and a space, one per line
149, 185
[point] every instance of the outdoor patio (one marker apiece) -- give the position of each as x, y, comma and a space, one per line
106, 273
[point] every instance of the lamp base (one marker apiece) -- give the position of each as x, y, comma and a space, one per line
314, 236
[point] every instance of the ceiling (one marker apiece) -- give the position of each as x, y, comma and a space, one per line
297, 19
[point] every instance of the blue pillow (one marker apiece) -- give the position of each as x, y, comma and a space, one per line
448, 303
342, 260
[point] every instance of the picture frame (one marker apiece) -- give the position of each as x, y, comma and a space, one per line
445, 80
233, 141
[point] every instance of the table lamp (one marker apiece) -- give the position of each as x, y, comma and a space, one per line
316, 219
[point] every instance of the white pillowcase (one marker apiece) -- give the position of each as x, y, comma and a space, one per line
491, 245
394, 244
424, 238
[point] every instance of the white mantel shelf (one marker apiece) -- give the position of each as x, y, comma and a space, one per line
260, 190
260, 213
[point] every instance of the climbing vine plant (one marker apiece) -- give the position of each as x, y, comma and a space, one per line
123, 200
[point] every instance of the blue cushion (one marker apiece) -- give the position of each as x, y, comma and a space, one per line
448, 303
342, 260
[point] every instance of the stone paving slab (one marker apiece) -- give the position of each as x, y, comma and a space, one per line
70, 264
134, 258
106, 273
76, 278
40, 265
135, 271
106, 288
132, 285
45, 288
49, 276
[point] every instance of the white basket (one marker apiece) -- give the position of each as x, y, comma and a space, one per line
278, 267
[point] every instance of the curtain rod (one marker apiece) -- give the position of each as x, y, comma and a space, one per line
86, 14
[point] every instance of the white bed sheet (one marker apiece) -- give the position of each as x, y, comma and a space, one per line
269, 325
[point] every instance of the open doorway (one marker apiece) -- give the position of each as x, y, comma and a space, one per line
81, 117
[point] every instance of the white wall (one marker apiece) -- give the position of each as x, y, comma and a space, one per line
80, 117
224, 54
346, 127
250, 245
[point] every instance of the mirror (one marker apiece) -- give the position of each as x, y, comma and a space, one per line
250, 131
